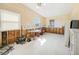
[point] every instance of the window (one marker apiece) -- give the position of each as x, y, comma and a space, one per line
36, 21
51, 23
9, 20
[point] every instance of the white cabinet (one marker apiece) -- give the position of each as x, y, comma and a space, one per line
74, 41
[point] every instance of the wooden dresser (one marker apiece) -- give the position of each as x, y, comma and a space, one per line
55, 30
9, 37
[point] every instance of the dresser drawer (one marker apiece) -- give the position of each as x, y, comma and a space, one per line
11, 37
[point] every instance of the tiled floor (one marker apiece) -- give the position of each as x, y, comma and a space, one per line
48, 44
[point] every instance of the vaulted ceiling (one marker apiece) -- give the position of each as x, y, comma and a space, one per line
50, 9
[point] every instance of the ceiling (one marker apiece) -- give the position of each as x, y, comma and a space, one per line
50, 9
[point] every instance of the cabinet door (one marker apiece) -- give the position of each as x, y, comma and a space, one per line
53, 30
47, 30
58, 31
4, 38
0, 40
17, 34
11, 37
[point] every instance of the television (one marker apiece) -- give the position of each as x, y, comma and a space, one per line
74, 24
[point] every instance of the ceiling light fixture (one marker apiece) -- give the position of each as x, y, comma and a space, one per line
40, 4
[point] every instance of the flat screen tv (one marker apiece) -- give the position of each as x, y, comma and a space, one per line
74, 24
